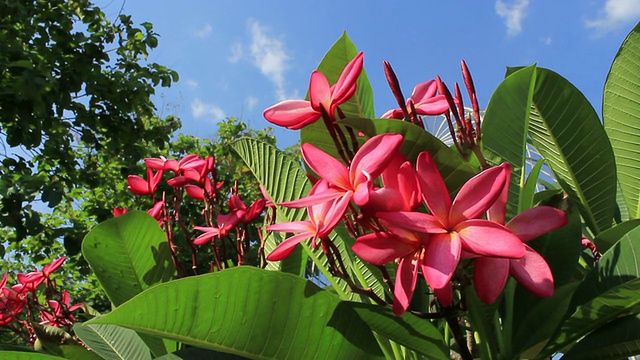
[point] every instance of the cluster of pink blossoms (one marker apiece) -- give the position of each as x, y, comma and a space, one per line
20, 303
378, 195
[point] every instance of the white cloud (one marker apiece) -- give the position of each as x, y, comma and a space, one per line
251, 102
547, 40
615, 14
236, 53
269, 55
200, 109
204, 31
192, 84
512, 14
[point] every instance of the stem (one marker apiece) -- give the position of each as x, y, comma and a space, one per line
483, 163
458, 335
507, 321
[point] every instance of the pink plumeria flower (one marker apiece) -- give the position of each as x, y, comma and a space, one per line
323, 218
425, 101
177, 167
296, 114
356, 181
142, 187
454, 225
490, 274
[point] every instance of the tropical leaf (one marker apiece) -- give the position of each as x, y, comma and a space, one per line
194, 353
112, 342
619, 339
454, 170
621, 113
564, 128
249, 312
128, 254
23, 355
607, 239
622, 300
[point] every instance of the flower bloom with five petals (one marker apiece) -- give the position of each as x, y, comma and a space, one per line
354, 182
531, 271
455, 226
323, 218
296, 114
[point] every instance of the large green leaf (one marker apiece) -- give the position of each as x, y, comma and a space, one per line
621, 113
619, 339
23, 355
606, 239
622, 300
194, 353
505, 126
454, 170
416, 334
112, 342
250, 312
565, 129
128, 254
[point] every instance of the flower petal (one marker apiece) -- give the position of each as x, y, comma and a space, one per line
434, 192
345, 87
210, 232
138, 185
320, 92
477, 195
441, 257
424, 91
489, 277
286, 247
381, 248
373, 157
327, 167
406, 277
533, 273
414, 221
444, 295
293, 226
437, 105
487, 238
291, 114
536, 221
498, 210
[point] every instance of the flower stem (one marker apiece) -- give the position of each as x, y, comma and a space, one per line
458, 335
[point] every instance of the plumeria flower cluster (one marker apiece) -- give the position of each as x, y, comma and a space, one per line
21, 304
196, 177
380, 196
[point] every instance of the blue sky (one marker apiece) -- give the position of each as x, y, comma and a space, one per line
235, 58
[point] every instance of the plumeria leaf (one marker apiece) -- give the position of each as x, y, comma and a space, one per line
112, 341
619, 301
283, 179
128, 254
23, 355
607, 239
547, 110
621, 114
619, 339
526, 195
283, 316
194, 353
454, 170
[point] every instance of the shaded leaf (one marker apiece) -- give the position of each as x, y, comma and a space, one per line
619, 339
112, 342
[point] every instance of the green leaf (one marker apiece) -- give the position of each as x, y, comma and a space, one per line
283, 179
23, 355
619, 339
618, 265
564, 128
408, 330
194, 353
505, 126
128, 254
454, 170
621, 113
249, 312
112, 342
617, 302
542, 319
606, 239
527, 193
